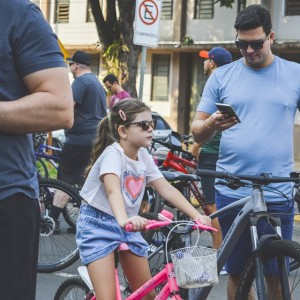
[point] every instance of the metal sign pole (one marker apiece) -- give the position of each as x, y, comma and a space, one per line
143, 67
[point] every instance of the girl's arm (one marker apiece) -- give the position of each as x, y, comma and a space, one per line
116, 201
173, 196
113, 190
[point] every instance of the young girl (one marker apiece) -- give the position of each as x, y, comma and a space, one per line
119, 171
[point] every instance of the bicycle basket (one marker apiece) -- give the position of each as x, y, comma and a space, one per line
195, 266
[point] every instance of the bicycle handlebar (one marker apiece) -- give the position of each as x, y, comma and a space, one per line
262, 179
152, 224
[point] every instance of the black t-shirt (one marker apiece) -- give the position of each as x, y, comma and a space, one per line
27, 45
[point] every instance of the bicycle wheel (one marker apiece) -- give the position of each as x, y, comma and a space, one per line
42, 168
73, 288
56, 251
71, 210
273, 251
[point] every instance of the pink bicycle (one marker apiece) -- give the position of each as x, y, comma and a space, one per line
190, 267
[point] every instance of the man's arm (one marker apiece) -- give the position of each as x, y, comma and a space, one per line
205, 126
49, 106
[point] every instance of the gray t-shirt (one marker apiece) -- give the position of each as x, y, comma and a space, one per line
27, 45
90, 108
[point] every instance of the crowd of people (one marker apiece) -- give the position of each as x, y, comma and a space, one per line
104, 150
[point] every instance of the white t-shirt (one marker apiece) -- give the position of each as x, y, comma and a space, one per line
134, 176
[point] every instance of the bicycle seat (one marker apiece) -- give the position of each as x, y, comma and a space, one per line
123, 247
174, 176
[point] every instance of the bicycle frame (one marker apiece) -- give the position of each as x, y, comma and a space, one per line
179, 164
252, 206
42, 153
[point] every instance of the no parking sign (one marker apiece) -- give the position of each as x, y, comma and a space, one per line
147, 19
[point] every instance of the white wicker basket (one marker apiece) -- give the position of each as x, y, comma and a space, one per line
195, 266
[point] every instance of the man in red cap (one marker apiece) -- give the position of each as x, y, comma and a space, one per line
214, 58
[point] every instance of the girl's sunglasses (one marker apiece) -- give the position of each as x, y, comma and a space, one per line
144, 124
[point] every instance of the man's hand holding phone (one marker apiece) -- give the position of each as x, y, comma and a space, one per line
228, 110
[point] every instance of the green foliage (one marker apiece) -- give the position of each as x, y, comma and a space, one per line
112, 56
226, 3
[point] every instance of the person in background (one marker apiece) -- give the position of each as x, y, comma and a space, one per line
259, 87
118, 93
119, 171
35, 96
207, 154
89, 109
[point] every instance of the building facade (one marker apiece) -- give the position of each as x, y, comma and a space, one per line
173, 78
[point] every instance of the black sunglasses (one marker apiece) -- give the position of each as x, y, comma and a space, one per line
255, 45
144, 124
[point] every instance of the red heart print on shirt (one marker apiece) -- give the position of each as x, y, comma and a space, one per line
133, 185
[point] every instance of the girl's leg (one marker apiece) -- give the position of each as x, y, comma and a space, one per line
102, 276
136, 270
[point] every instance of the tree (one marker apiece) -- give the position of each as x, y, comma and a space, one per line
116, 38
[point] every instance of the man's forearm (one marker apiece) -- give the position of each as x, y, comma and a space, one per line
38, 112
201, 131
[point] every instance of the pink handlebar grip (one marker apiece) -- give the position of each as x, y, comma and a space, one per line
128, 227
204, 227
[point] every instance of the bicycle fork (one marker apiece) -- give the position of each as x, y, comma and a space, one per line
259, 212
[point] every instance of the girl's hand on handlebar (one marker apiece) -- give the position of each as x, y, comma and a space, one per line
204, 222
137, 223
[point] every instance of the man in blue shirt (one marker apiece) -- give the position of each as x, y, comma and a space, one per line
35, 96
260, 89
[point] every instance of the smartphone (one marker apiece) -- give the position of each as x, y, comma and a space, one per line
227, 109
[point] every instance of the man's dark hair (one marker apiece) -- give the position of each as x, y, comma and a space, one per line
111, 78
252, 17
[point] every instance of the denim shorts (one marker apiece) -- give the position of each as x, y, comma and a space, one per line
98, 234
243, 248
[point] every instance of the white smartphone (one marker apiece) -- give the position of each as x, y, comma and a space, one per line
227, 109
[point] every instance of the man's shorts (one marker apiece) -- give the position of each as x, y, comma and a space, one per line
73, 161
208, 161
98, 234
242, 251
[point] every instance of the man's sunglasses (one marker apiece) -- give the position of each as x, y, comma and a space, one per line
255, 45
145, 124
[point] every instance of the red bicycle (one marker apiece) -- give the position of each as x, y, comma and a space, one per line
180, 160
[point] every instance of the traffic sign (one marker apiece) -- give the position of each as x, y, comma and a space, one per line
146, 25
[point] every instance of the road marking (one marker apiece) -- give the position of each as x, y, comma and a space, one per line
66, 275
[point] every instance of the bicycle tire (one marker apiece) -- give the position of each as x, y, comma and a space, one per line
71, 210
73, 288
273, 249
56, 251
42, 168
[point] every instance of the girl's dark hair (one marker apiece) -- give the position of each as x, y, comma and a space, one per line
252, 17
123, 113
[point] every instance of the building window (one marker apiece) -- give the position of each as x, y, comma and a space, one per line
204, 9
160, 77
167, 10
89, 14
62, 11
95, 62
292, 8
